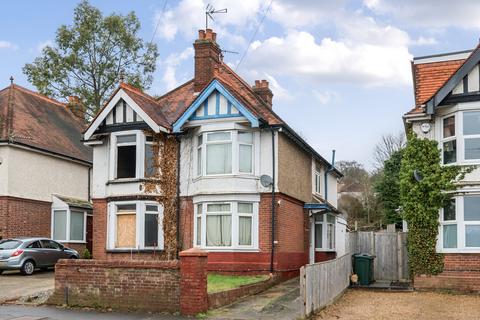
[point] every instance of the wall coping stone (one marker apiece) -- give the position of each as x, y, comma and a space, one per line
171, 264
193, 252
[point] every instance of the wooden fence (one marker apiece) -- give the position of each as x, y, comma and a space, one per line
321, 283
389, 249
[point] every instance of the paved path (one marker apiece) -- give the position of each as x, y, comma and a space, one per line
16, 312
281, 302
14, 285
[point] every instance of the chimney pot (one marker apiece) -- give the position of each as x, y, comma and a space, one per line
201, 34
257, 83
214, 36
263, 91
208, 35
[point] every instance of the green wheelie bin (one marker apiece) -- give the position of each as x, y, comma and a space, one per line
363, 267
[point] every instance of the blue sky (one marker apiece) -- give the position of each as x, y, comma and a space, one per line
340, 70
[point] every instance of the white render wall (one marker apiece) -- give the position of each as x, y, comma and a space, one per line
4, 151
190, 185
37, 176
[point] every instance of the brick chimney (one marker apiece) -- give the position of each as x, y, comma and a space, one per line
207, 57
77, 107
263, 91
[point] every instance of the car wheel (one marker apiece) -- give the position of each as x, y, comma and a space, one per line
1, 271
73, 257
28, 268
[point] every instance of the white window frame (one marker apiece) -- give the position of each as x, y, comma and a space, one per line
235, 226
139, 225
325, 224
317, 180
140, 153
465, 137
461, 228
235, 143
67, 229
448, 139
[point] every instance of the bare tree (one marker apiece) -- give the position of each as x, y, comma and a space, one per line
384, 149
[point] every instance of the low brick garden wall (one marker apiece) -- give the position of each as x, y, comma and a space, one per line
157, 286
223, 298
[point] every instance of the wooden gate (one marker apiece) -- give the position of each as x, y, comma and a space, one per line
389, 249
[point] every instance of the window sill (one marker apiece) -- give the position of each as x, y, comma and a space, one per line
132, 180
133, 250
236, 175
228, 249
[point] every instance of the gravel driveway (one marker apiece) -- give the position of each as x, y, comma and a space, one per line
13, 285
362, 304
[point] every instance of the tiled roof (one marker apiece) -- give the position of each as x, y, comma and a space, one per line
31, 119
176, 102
429, 77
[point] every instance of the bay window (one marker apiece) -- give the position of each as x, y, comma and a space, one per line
126, 156
150, 166
449, 142
460, 224
226, 225
69, 225
471, 134
324, 232
135, 225
225, 152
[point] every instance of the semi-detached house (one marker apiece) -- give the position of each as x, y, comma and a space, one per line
44, 169
447, 110
207, 143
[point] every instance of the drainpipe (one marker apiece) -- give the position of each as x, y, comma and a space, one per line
330, 169
273, 202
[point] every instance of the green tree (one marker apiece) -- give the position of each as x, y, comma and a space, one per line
424, 186
89, 56
388, 188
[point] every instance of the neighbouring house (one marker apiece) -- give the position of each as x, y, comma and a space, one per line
195, 168
44, 169
447, 109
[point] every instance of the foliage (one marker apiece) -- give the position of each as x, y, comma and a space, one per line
89, 56
358, 198
387, 188
86, 254
218, 282
422, 200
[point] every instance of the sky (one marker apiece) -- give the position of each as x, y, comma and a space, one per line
339, 70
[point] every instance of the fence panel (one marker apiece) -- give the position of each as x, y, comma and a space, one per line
321, 283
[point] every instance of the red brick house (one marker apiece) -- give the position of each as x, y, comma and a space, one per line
447, 109
239, 172
44, 169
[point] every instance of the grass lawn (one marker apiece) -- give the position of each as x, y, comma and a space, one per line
219, 282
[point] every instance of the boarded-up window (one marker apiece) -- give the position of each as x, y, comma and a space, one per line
126, 226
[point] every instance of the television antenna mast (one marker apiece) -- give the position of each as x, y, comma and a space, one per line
210, 11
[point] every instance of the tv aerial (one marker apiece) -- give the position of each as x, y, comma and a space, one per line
210, 11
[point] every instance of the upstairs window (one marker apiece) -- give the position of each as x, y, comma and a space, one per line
126, 156
150, 166
317, 181
225, 152
449, 141
471, 135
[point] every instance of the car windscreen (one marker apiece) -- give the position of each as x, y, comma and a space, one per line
9, 244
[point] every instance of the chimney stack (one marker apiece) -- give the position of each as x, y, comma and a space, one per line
207, 57
76, 107
262, 89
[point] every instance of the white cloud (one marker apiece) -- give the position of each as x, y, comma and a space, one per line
8, 45
365, 53
430, 13
189, 16
422, 41
171, 64
324, 97
279, 92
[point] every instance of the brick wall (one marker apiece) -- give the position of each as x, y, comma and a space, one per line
155, 286
292, 234
461, 273
24, 217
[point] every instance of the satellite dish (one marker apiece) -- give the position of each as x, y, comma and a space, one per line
417, 175
266, 180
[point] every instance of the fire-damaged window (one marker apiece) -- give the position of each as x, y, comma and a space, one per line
226, 225
325, 232
150, 169
126, 156
135, 225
